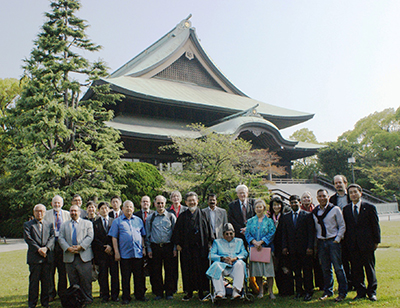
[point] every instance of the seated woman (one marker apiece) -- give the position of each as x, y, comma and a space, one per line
260, 232
227, 255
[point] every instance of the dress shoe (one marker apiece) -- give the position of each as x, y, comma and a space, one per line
298, 295
272, 296
104, 300
359, 297
125, 302
324, 297
115, 299
169, 297
158, 297
187, 297
143, 299
373, 298
339, 298
307, 297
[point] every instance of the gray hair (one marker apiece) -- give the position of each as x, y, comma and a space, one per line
242, 186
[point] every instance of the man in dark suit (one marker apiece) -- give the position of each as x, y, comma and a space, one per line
144, 211
240, 211
104, 255
75, 239
116, 207
40, 239
361, 240
298, 243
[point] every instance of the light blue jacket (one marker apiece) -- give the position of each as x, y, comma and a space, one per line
267, 231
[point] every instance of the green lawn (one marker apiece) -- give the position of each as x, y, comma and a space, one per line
14, 282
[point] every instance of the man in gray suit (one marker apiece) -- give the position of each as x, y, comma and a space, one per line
57, 217
216, 216
75, 239
40, 239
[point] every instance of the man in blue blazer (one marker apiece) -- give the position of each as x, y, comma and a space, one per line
40, 239
361, 240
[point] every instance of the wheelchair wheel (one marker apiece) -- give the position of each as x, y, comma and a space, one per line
249, 297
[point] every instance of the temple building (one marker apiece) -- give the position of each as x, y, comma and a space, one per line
174, 83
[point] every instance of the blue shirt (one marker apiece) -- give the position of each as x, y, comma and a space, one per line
129, 233
264, 231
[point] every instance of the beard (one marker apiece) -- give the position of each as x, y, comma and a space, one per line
193, 208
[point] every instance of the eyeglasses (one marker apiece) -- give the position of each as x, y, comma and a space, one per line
228, 233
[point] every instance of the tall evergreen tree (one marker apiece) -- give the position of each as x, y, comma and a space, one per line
62, 144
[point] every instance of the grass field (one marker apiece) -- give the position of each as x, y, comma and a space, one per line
14, 282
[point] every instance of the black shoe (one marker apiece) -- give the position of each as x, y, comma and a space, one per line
104, 300
307, 297
115, 299
187, 297
158, 297
169, 297
298, 295
143, 299
373, 298
125, 302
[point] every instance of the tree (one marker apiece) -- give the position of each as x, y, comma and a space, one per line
10, 89
140, 179
62, 145
307, 167
333, 159
216, 162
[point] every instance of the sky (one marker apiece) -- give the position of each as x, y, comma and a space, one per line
339, 60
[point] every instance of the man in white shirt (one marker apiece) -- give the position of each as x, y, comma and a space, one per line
216, 216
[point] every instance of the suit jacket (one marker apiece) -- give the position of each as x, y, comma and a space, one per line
300, 238
84, 236
140, 214
235, 216
366, 232
101, 238
83, 214
111, 214
36, 239
49, 217
221, 219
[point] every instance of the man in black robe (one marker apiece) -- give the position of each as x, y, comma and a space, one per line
193, 236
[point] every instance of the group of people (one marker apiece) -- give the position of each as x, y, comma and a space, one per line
209, 243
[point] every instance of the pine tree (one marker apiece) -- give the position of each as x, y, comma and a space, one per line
61, 143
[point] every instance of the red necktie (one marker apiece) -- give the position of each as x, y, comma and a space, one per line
116, 214
145, 216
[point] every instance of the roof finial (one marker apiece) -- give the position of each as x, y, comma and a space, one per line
190, 16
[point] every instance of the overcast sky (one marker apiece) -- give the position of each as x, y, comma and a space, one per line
337, 59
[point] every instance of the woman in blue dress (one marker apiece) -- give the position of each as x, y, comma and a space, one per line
260, 232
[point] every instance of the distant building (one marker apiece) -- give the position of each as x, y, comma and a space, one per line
174, 83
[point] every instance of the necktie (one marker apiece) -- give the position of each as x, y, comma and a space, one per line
295, 219
105, 224
57, 221
116, 214
74, 240
244, 212
355, 213
145, 217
